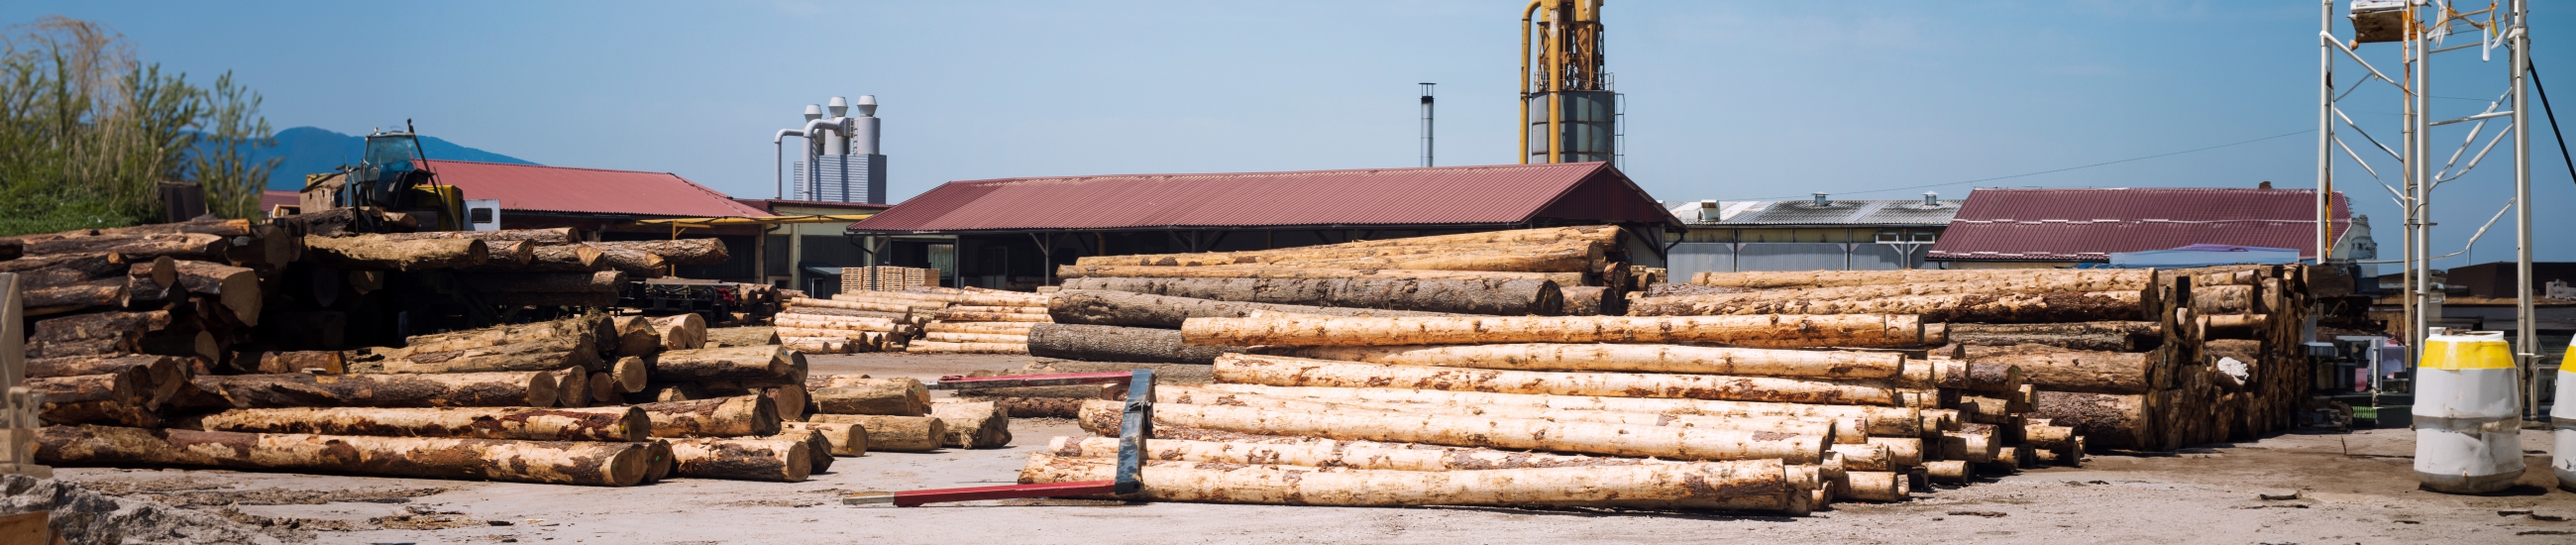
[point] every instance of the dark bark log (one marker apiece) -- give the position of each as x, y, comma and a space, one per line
98, 294
81, 348
59, 270
720, 417
551, 258
2111, 420
2100, 336
626, 424
634, 262
101, 325
1501, 297
882, 396
690, 251
544, 354
235, 288
565, 462
558, 235
744, 459
1034, 407
376, 252
1118, 344
750, 364
158, 377
131, 247
508, 389
1589, 300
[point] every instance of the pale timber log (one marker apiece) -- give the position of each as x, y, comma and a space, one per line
684, 331
720, 417
587, 328
1291, 272
555, 462
750, 365
1118, 308
894, 433
1020, 329
880, 396
1538, 254
1506, 433
1646, 358
634, 262
1118, 344
1901, 451
1864, 456
636, 337
741, 459
2099, 336
130, 247
1887, 421
974, 338
1878, 486
495, 389
741, 336
2111, 420
1286, 371
1316, 452
557, 258
525, 423
1857, 331
376, 252
818, 449
1958, 307
2055, 369
846, 439
1493, 297
925, 347
2225, 299
687, 251
1826, 279
1843, 430
558, 235
946, 315
972, 424
1759, 485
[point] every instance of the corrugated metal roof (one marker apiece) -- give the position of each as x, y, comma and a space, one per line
1472, 195
588, 190
1910, 212
2091, 224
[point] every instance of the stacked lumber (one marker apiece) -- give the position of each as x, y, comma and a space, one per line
2130, 358
886, 278
1484, 410
979, 321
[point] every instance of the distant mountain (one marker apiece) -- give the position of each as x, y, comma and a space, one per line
310, 150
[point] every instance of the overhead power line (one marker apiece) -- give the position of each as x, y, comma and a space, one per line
2053, 171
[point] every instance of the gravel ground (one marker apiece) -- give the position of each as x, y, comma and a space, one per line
2351, 488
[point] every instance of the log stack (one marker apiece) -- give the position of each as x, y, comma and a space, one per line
1827, 408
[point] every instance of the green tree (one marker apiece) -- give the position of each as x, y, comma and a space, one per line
87, 132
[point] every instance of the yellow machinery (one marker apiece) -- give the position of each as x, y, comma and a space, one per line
1569, 112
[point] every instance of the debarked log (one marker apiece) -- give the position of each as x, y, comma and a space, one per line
894, 433
1287, 371
1646, 358
525, 423
500, 389
1504, 433
1768, 331
556, 462
1760, 485
1490, 297
1118, 344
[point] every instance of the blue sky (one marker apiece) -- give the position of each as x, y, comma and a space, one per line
1726, 100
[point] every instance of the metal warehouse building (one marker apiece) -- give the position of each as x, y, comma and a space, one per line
1819, 234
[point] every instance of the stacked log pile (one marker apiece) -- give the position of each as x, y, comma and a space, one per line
978, 321
1802, 411
2130, 358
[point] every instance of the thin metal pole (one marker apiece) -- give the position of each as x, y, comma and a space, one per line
2418, 303
2421, 163
2524, 330
2325, 132
1426, 124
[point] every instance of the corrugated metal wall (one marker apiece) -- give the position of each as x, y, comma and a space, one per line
1695, 257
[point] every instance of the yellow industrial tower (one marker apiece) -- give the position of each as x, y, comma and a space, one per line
1569, 113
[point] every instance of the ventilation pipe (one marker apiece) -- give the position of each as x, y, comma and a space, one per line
1931, 199
1821, 201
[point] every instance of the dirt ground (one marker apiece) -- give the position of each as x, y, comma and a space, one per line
2351, 488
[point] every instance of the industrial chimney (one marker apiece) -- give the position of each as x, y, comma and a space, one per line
843, 162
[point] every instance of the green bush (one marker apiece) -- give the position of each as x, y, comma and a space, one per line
87, 132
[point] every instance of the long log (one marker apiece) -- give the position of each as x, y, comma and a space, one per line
1834, 430
555, 462
851, 323
376, 252
742, 459
549, 258
880, 396
2099, 336
587, 328
634, 262
547, 282
157, 376
687, 251
1887, 421
1858, 331
968, 316
751, 364
1492, 297
2111, 420
720, 417
2130, 280
1826, 279
110, 398
1645, 358
926, 347
975, 338
1506, 433
895, 433
1101, 307
1288, 371
1020, 329
1960, 307
57, 300
524, 423
846, 439
1316, 452
1750, 485
1585, 250
131, 248
2060, 370
558, 235
1303, 272
795, 304
722, 337
684, 331
538, 355
58, 270
503, 389
235, 288
99, 325
1118, 344
973, 424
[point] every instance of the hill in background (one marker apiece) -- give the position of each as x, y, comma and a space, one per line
309, 150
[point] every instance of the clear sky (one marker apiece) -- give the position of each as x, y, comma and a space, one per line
1726, 100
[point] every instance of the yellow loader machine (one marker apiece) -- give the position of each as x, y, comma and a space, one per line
390, 177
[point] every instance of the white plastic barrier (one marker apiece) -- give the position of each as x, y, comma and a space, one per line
2562, 421
2468, 420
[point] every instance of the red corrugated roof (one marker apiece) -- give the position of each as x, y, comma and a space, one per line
588, 190
1473, 195
2091, 224
274, 197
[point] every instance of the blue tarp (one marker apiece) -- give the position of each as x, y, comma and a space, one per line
2202, 255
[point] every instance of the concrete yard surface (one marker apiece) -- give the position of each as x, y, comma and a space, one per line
2350, 488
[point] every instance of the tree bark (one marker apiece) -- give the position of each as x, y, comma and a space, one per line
157, 377
1100, 307
1119, 344
980, 328
975, 338
550, 258
58, 270
742, 459
926, 347
1492, 297
1833, 430
558, 235
572, 282
636, 337
750, 364
895, 433
818, 450
1287, 371
687, 251
95, 399
100, 325
972, 424
1858, 331
735, 416
1504, 433
57, 300
1644, 358
1749, 485
1319, 453
1962, 307
966, 316
2060, 370
1586, 250
129, 248
523, 423
846, 439
1033, 407
880, 396
685, 331
2071, 279
587, 329
1286, 272
2111, 420
538, 355
2225, 299
375, 252
1886, 421
634, 262
2097, 336
555, 462
504, 389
